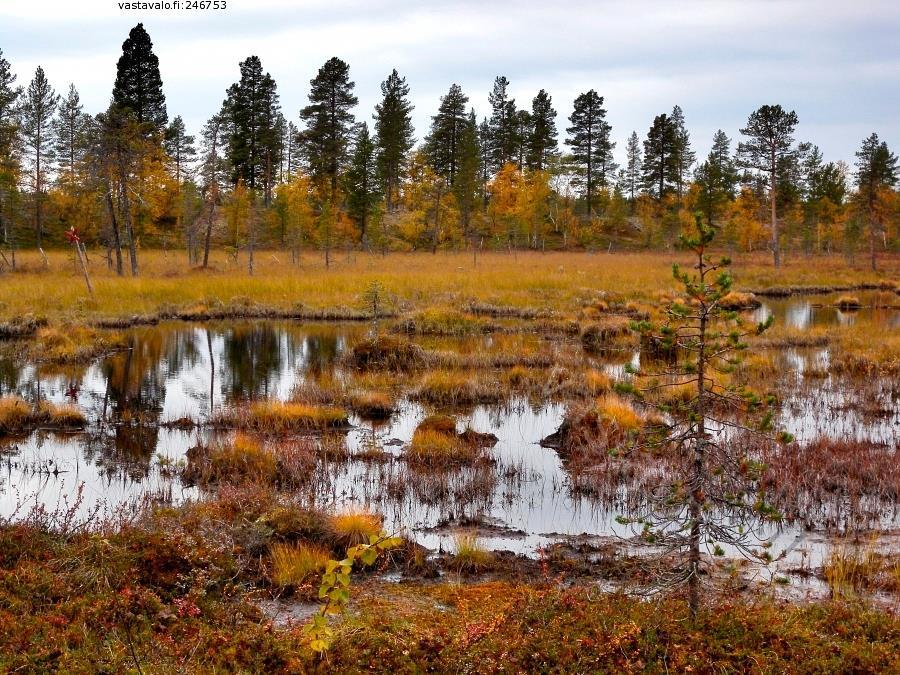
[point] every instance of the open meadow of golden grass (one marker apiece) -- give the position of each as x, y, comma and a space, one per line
411, 281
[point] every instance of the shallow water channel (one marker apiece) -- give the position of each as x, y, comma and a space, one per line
176, 370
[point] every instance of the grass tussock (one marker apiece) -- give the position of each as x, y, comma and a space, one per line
448, 387
246, 459
866, 355
847, 303
283, 417
386, 352
372, 404
852, 569
19, 416
470, 555
73, 343
609, 424
738, 301
16, 414
294, 564
606, 333
441, 424
355, 527
444, 321
439, 450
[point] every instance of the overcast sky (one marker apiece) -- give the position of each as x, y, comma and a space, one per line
837, 63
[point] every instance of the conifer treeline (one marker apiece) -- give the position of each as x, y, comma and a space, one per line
129, 177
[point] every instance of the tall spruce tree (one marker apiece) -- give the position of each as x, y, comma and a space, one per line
542, 141
361, 180
69, 129
876, 171
591, 147
329, 122
632, 167
180, 147
484, 148
138, 87
254, 148
770, 133
442, 145
683, 156
659, 168
504, 139
393, 135
38, 108
716, 179
291, 152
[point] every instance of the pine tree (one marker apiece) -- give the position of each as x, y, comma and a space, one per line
632, 167
468, 175
504, 138
9, 164
876, 171
591, 147
716, 178
38, 109
542, 141
682, 155
361, 179
524, 126
179, 145
69, 129
329, 122
213, 170
138, 87
770, 132
659, 168
442, 145
255, 140
394, 135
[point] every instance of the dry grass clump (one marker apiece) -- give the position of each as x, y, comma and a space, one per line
863, 355
738, 301
448, 387
372, 404
444, 321
75, 343
355, 527
283, 417
61, 415
386, 352
436, 449
610, 423
320, 391
17, 415
245, 459
436, 444
470, 555
292, 564
847, 303
442, 424
851, 569
606, 333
